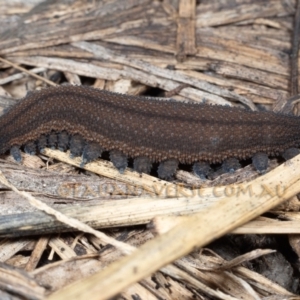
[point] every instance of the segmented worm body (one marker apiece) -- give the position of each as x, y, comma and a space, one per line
90, 121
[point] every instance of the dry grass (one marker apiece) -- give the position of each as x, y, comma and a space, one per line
152, 232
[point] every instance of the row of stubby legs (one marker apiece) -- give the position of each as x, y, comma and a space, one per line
90, 151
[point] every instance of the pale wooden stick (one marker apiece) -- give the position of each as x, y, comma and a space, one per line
152, 185
260, 225
196, 231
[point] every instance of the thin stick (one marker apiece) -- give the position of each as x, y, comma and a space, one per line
27, 72
150, 184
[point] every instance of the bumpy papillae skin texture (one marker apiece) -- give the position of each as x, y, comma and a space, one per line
141, 126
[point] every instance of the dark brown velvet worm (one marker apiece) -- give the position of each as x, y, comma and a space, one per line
149, 130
